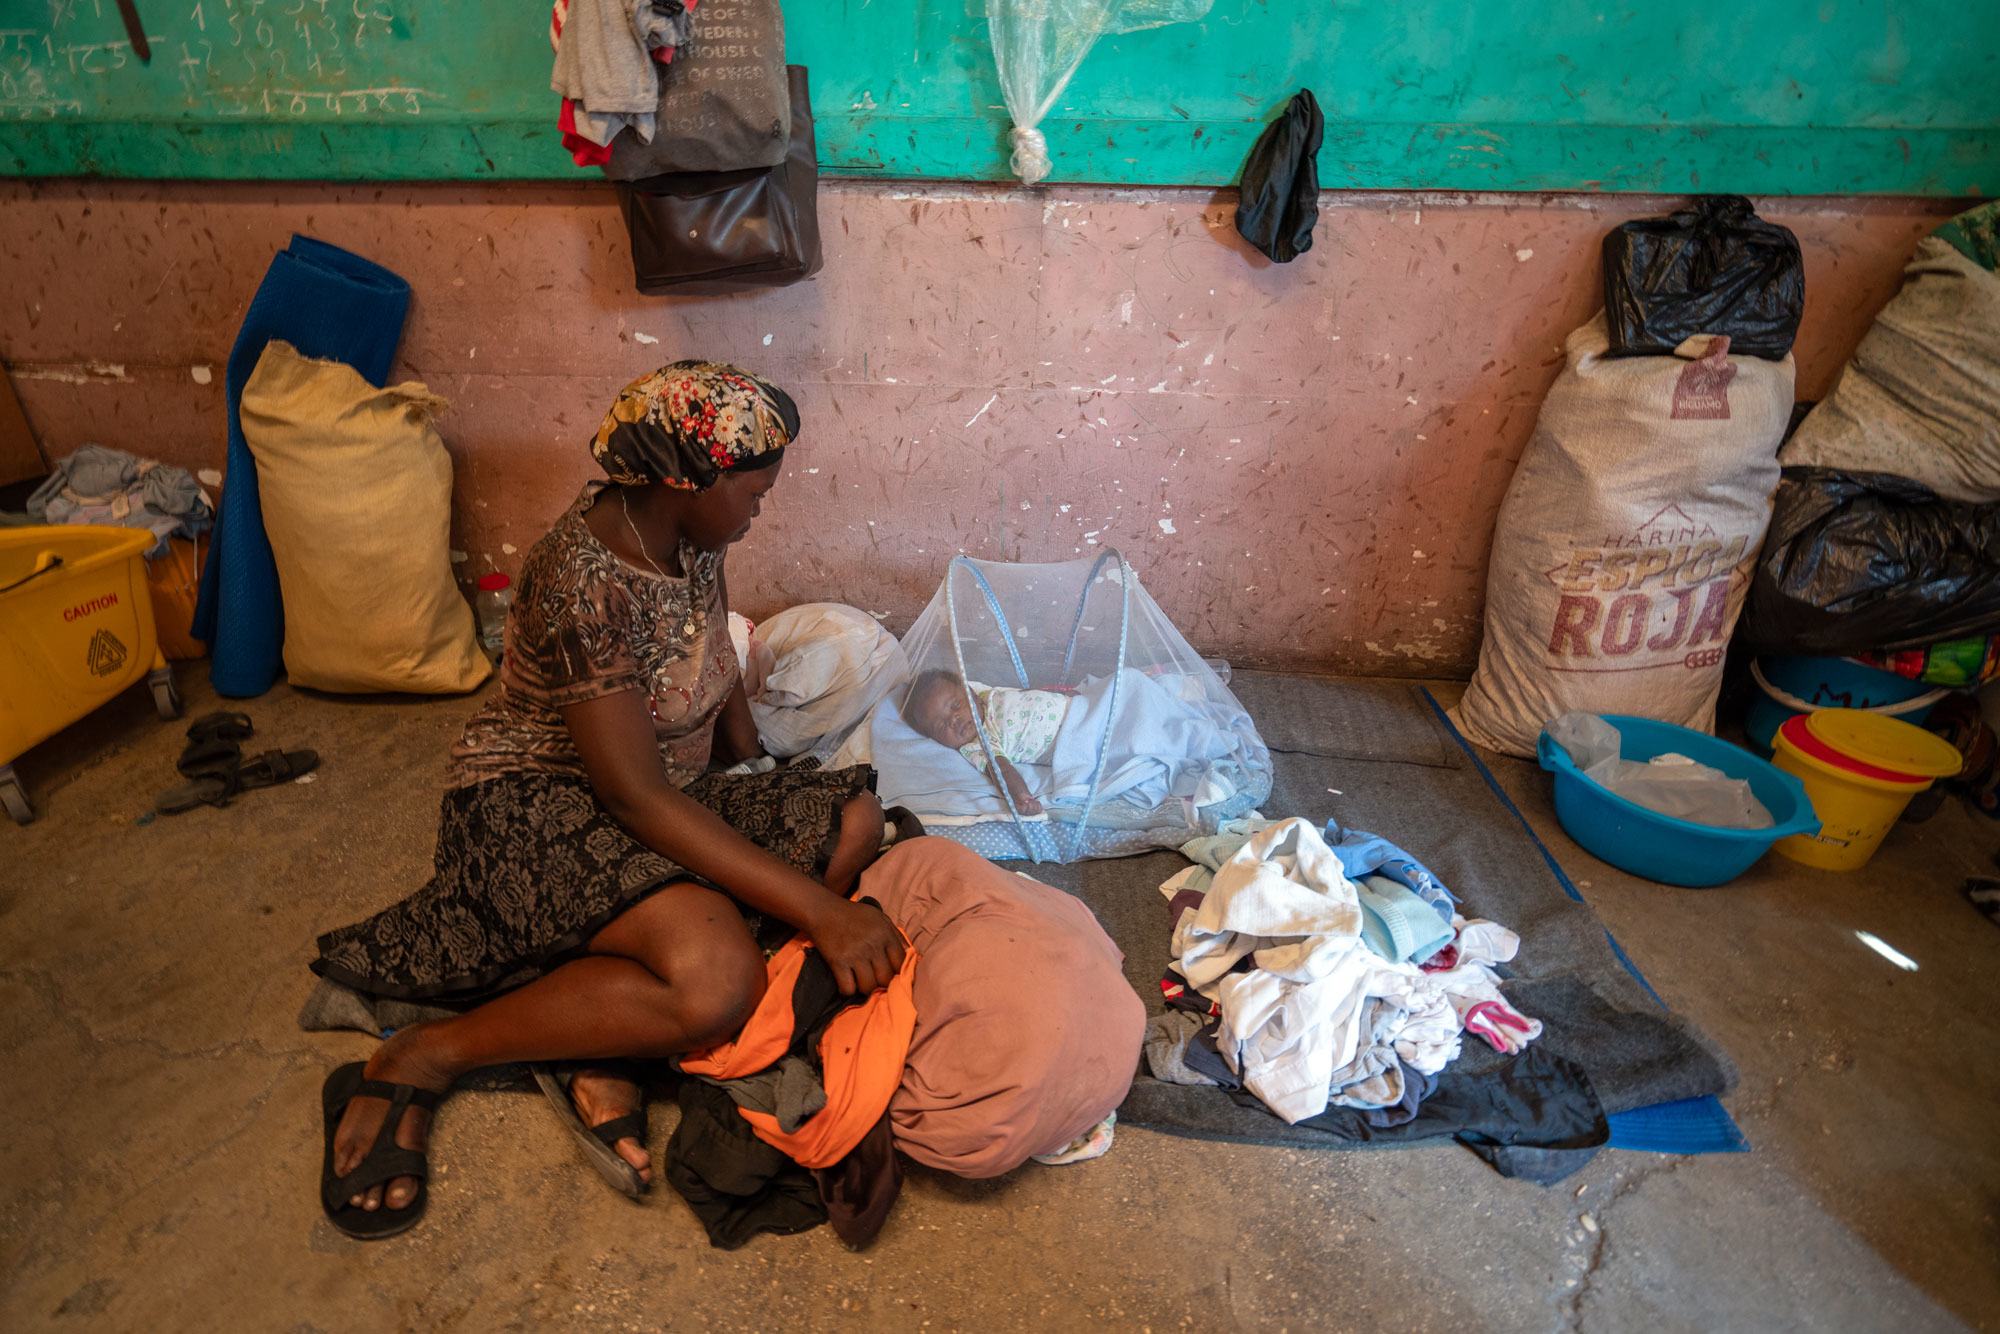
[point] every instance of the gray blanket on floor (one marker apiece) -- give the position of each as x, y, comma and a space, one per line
1376, 756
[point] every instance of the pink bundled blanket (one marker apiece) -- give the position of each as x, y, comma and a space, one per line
1027, 1033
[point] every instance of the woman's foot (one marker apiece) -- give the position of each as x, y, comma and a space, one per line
601, 1095
399, 1060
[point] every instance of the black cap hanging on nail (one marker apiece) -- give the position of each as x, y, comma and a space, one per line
1279, 197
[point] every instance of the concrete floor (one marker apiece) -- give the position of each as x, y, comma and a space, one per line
159, 1139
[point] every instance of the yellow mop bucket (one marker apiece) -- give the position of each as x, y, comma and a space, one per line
76, 629
1860, 769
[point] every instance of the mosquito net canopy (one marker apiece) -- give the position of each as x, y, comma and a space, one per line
1053, 712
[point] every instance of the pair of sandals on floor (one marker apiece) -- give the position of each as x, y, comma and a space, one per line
386, 1160
216, 771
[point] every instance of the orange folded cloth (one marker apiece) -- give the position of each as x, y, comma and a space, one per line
861, 1058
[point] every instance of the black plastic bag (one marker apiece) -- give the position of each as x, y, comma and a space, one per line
1278, 202
1715, 268
1856, 562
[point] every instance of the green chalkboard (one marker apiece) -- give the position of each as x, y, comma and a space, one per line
1760, 96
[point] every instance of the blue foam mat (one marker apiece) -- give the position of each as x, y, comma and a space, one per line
328, 304
1692, 1125
1689, 1126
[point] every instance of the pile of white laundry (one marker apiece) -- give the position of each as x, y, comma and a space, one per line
1310, 1012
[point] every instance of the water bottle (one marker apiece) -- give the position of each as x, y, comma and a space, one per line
496, 594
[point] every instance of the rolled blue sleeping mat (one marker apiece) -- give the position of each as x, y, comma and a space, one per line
328, 304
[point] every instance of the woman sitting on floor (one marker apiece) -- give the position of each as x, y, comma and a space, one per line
598, 892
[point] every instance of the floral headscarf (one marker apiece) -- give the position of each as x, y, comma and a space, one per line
686, 424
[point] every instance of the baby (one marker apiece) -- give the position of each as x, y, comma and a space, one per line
1021, 724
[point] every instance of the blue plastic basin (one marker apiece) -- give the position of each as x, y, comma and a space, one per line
1660, 847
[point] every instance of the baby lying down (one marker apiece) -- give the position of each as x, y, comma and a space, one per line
1125, 736
1021, 724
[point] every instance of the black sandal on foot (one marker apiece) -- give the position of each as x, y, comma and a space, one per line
599, 1143
386, 1159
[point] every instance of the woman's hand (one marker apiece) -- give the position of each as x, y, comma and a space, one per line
860, 945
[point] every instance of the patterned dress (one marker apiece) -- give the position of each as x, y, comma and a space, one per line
529, 864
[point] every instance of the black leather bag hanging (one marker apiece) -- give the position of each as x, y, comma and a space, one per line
708, 232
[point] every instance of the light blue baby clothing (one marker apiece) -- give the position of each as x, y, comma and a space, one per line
1396, 924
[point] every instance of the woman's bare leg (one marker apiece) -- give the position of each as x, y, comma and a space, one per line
676, 972
673, 973
602, 1095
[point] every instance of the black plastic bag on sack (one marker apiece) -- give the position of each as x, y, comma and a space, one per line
1278, 202
1715, 268
1860, 561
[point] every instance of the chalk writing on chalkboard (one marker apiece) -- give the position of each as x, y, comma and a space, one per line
263, 59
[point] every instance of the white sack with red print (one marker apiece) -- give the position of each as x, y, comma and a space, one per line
1624, 547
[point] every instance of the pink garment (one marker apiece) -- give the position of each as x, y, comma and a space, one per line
1505, 1028
1027, 1032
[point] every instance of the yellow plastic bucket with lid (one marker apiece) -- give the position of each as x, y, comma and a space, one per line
1860, 769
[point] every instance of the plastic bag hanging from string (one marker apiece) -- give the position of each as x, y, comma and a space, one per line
1037, 46
1053, 712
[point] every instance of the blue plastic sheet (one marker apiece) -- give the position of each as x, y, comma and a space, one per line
1691, 1125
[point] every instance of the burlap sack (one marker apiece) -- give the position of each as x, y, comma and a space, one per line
356, 493
1624, 546
1921, 397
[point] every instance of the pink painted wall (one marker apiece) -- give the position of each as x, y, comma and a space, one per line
1302, 461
